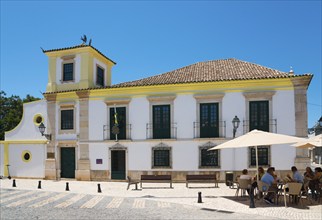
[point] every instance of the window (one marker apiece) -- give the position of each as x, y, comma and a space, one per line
161, 156
208, 158
161, 121
38, 118
67, 119
26, 156
258, 115
263, 156
209, 123
120, 120
68, 71
99, 76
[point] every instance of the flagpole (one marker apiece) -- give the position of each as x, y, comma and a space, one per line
115, 121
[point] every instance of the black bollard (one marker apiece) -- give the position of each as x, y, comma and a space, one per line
14, 183
39, 184
67, 186
99, 188
251, 196
199, 197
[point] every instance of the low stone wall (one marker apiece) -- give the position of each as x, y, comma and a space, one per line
100, 175
177, 176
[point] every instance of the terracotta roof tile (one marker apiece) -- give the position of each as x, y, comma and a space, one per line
78, 46
210, 71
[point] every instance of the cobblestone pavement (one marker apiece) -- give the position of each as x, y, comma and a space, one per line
34, 204
83, 195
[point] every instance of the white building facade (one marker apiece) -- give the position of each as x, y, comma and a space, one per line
163, 124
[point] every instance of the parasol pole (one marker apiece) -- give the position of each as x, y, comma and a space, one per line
257, 177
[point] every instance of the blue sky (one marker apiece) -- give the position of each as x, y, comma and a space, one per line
147, 38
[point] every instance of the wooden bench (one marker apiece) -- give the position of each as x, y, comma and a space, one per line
156, 179
132, 182
202, 178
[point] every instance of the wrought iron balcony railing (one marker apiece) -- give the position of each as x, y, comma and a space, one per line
161, 132
211, 130
270, 126
123, 134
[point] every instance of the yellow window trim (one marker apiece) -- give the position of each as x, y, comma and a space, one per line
23, 156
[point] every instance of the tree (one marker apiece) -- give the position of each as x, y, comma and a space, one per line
11, 111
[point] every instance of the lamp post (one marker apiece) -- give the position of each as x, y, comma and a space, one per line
318, 127
42, 129
235, 122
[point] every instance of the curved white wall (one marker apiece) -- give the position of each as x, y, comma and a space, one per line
27, 129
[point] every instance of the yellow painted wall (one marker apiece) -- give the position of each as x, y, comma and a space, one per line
87, 55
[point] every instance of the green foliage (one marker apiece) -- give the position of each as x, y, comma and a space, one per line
11, 111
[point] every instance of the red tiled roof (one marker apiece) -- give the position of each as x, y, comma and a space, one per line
78, 46
210, 71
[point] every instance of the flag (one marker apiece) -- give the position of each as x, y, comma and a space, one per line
115, 117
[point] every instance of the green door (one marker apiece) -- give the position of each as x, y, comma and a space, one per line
121, 120
118, 164
67, 162
161, 122
209, 123
259, 115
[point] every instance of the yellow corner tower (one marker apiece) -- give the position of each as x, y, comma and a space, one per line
78, 67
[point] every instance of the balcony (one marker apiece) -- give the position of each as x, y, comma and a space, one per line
124, 132
270, 126
161, 132
213, 130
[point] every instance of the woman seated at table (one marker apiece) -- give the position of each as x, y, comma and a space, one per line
308, 175
316, 182
261, 173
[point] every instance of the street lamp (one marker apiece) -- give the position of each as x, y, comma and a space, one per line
235, 122
320, 121
42, 129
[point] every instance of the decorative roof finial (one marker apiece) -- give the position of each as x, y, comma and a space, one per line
84, 39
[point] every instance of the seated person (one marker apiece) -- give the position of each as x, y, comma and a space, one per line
316, 181
269, 179
308, 175
245, 175
297, 177
261, 173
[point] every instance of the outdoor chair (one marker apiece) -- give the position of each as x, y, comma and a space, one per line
243, 185
132, 182
293, 190
264, 189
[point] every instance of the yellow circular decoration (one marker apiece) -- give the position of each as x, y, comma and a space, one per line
26, 156
38, 119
